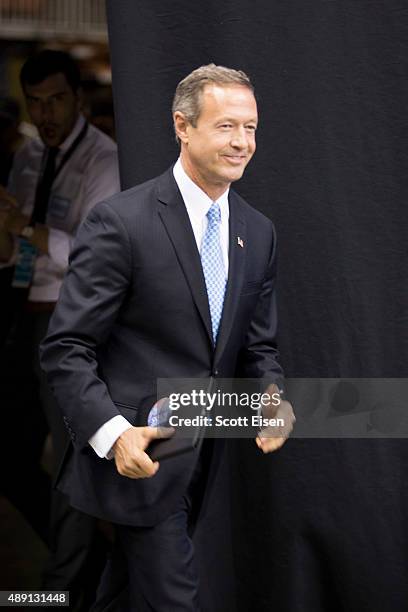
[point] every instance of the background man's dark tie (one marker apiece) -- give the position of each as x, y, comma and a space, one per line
42, 194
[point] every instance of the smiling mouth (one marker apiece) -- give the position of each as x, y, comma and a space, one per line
237, 158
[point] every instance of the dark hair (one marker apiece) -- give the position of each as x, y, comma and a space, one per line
46, 63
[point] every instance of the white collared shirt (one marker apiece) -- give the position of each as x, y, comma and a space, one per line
197, 203
89, 176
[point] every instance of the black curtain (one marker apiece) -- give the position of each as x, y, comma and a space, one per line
320, 525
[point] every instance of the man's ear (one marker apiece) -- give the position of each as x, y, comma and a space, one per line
181, 126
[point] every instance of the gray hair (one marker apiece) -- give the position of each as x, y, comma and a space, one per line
187, 98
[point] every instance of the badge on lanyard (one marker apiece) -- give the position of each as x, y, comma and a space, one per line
58, 207
24, 269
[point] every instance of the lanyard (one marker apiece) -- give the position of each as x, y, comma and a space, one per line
71, 149
47, 179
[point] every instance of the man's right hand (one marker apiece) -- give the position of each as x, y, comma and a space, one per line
130, 458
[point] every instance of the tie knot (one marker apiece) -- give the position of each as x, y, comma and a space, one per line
214, 214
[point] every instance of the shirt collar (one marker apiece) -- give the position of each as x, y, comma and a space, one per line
197, 202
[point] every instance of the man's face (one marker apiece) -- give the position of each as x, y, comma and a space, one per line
216, 151
53, 108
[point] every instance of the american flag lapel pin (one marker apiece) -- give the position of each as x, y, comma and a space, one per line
240, 242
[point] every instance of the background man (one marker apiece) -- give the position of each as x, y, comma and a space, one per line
55, 181
173, 278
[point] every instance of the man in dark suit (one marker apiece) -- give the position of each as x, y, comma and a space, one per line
174, 278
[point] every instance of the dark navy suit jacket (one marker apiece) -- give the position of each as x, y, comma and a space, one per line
134, 308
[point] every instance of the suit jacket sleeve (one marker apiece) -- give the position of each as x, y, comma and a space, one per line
259, 356
92, 293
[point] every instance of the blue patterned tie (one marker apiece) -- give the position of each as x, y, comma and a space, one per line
213, 267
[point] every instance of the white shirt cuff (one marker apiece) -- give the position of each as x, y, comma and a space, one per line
106, 436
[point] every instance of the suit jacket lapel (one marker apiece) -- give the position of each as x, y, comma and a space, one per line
236, 267
177, 223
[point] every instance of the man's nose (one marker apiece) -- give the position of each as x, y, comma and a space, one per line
46, 111
239, 138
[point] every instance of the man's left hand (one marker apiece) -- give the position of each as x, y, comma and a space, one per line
271, 439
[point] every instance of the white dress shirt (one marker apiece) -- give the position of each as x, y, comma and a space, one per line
89, 176
197, 204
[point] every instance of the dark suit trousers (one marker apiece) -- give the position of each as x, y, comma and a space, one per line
152, 569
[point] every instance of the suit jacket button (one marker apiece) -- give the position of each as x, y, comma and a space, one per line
215, 373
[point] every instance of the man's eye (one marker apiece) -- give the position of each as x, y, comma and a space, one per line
226, 125
251, 128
